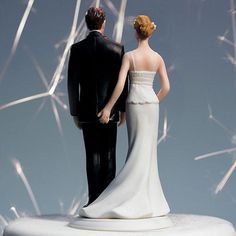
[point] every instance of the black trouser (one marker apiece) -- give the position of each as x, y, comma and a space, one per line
100, 146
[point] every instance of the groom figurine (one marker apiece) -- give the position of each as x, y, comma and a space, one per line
93, 70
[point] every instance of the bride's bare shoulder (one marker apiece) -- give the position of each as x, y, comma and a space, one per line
130, 52
128, 55
159, 58
156, 53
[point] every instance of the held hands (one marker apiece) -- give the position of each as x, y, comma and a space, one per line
104, 115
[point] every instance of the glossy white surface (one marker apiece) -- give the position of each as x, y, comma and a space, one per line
184, 225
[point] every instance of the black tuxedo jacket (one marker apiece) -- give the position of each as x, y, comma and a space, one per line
93, 70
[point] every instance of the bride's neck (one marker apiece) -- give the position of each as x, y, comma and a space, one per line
143, 43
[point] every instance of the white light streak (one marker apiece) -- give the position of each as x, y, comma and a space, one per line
112, 8
40, 71
165, 130
228, 174
23, 100
23, 178
71, 38
3, 224
211, 154
3, 221
225, 40
22, 25
232, 9
97, 3
120, 22
211, 117
13, 209
231, 59
18, 36
75, 206
210, 111
58, 100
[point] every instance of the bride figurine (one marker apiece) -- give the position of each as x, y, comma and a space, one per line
136, 191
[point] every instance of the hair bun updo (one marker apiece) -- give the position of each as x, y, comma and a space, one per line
144, 26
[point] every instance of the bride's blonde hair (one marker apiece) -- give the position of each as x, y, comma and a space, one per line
144, 26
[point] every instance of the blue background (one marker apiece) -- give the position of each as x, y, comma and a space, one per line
200, 76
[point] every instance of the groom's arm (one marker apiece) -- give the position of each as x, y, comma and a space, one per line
124, 94
73, 87
73, 83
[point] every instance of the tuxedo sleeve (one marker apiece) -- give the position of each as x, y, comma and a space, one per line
73, 83
124, 94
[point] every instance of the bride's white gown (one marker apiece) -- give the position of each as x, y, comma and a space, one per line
136, 191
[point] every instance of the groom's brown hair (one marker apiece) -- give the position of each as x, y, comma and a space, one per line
94, 17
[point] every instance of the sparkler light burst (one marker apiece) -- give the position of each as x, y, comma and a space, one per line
231, 58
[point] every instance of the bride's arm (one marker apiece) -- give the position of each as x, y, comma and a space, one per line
164, 81
104, 114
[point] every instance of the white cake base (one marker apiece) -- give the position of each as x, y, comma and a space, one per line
184, 225
126, 225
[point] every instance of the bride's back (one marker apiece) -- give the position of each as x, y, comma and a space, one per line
144, 60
